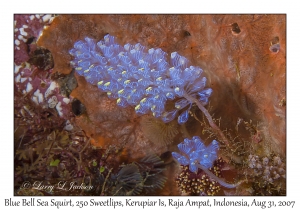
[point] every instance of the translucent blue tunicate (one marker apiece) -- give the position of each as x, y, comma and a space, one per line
142, 78
194, 152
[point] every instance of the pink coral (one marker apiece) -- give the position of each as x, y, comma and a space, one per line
41, 89
27, 30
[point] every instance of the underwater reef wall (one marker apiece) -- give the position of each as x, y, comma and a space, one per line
243, 58
230, 138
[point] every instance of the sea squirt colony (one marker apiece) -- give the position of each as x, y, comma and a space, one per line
146, 80
197, 156
139, 77
194, 151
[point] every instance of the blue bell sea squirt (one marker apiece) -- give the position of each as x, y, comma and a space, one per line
197, 156
141, 78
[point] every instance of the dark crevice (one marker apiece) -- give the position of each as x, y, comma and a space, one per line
235, 28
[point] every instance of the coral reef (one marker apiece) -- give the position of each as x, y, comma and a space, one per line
101, 117
232, 49
269, 174
42, 90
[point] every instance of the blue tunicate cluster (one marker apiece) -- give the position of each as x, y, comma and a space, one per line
139, 77
194, 152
